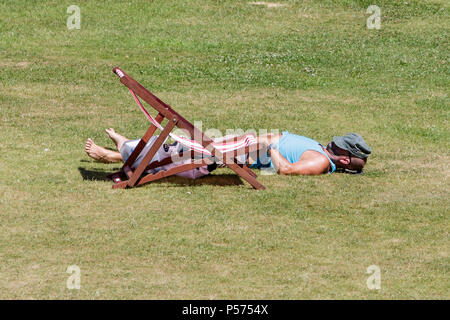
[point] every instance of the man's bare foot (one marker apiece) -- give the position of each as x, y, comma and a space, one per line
117, 138
101, 154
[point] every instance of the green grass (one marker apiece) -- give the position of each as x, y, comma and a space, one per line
311, 67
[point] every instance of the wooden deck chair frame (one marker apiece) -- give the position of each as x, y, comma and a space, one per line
127, 177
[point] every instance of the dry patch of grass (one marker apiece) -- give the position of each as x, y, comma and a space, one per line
268, 4
14, 64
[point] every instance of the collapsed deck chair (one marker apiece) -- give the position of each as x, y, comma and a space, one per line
203, 150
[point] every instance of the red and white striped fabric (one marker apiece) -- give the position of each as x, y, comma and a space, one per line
223, 147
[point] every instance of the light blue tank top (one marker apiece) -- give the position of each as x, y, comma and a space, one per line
292, 146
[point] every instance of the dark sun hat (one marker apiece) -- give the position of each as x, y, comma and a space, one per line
353, 143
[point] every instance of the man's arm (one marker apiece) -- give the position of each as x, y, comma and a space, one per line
312, 166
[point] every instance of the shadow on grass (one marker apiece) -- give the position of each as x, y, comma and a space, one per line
99, 175
214, 180
220, 180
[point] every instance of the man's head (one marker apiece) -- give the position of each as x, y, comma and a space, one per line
349, 152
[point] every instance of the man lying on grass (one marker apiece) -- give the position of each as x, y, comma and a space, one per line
286, 152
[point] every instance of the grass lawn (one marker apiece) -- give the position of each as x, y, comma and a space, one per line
310, 67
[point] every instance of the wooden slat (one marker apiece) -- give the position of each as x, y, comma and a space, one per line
120, 185
151, 153
249, 171
166, 161
178, 169
154, 101
148, 134
246, 176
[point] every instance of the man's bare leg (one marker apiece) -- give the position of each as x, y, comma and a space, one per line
117, 138
101, 154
